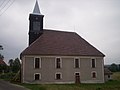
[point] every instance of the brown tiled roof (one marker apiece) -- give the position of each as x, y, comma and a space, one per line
61, 43
2, 62
107, 71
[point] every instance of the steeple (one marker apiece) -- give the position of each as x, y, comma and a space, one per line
35, 24
36, 8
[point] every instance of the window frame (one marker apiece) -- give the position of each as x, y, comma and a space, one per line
39, 62
93, 75
75, 62
39, 76
77, 72
92, 63
56, 75
56, 62
109, 76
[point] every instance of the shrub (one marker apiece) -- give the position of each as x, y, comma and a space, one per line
7, 76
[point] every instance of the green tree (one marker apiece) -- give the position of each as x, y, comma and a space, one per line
1, 47
113, 67
11, 61
119, 67
3, 66
14, 65
1, 57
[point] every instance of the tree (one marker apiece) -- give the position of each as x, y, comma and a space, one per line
1, 47
113, 67
3, 66
119, 67
14, 65
1, 57
11, 61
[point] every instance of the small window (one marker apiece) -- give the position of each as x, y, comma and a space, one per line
58, 76
93, 63
77, 63
94, 75
108, 76
37, 63
58, 63
37, 76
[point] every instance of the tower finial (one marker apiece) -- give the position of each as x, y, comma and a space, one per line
36, 8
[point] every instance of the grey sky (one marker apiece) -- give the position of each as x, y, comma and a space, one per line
97, 21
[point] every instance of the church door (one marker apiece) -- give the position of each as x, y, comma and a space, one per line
77, 78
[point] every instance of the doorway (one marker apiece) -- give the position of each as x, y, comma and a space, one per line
77, 77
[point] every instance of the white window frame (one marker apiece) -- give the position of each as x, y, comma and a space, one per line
39, 75
39, 62
60, 75
92, 74
95, 62
78, 60
60, 62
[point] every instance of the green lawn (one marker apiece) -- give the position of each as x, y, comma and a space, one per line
110, 85
116, 76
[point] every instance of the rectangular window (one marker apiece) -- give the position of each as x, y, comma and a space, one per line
58, 63
58, 76
37, 76
37, 63
77, 63
93, 63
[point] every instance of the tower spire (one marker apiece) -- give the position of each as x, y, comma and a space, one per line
36, 8
36, 24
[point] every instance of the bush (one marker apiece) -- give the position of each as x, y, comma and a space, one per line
7, 76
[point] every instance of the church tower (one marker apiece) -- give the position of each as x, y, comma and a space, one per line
35, 24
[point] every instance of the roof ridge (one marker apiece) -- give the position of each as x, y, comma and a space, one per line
58, 30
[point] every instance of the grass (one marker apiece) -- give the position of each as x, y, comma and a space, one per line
116, 76
110, 85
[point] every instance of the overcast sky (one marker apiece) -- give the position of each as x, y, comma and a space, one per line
97, 21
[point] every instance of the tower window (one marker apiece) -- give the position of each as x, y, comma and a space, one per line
36, 25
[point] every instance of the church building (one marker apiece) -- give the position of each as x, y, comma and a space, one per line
60, 57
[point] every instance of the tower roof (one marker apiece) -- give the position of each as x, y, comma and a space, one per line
36, 8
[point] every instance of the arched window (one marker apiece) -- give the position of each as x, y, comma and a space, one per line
58, 76
94, 75
37, 76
